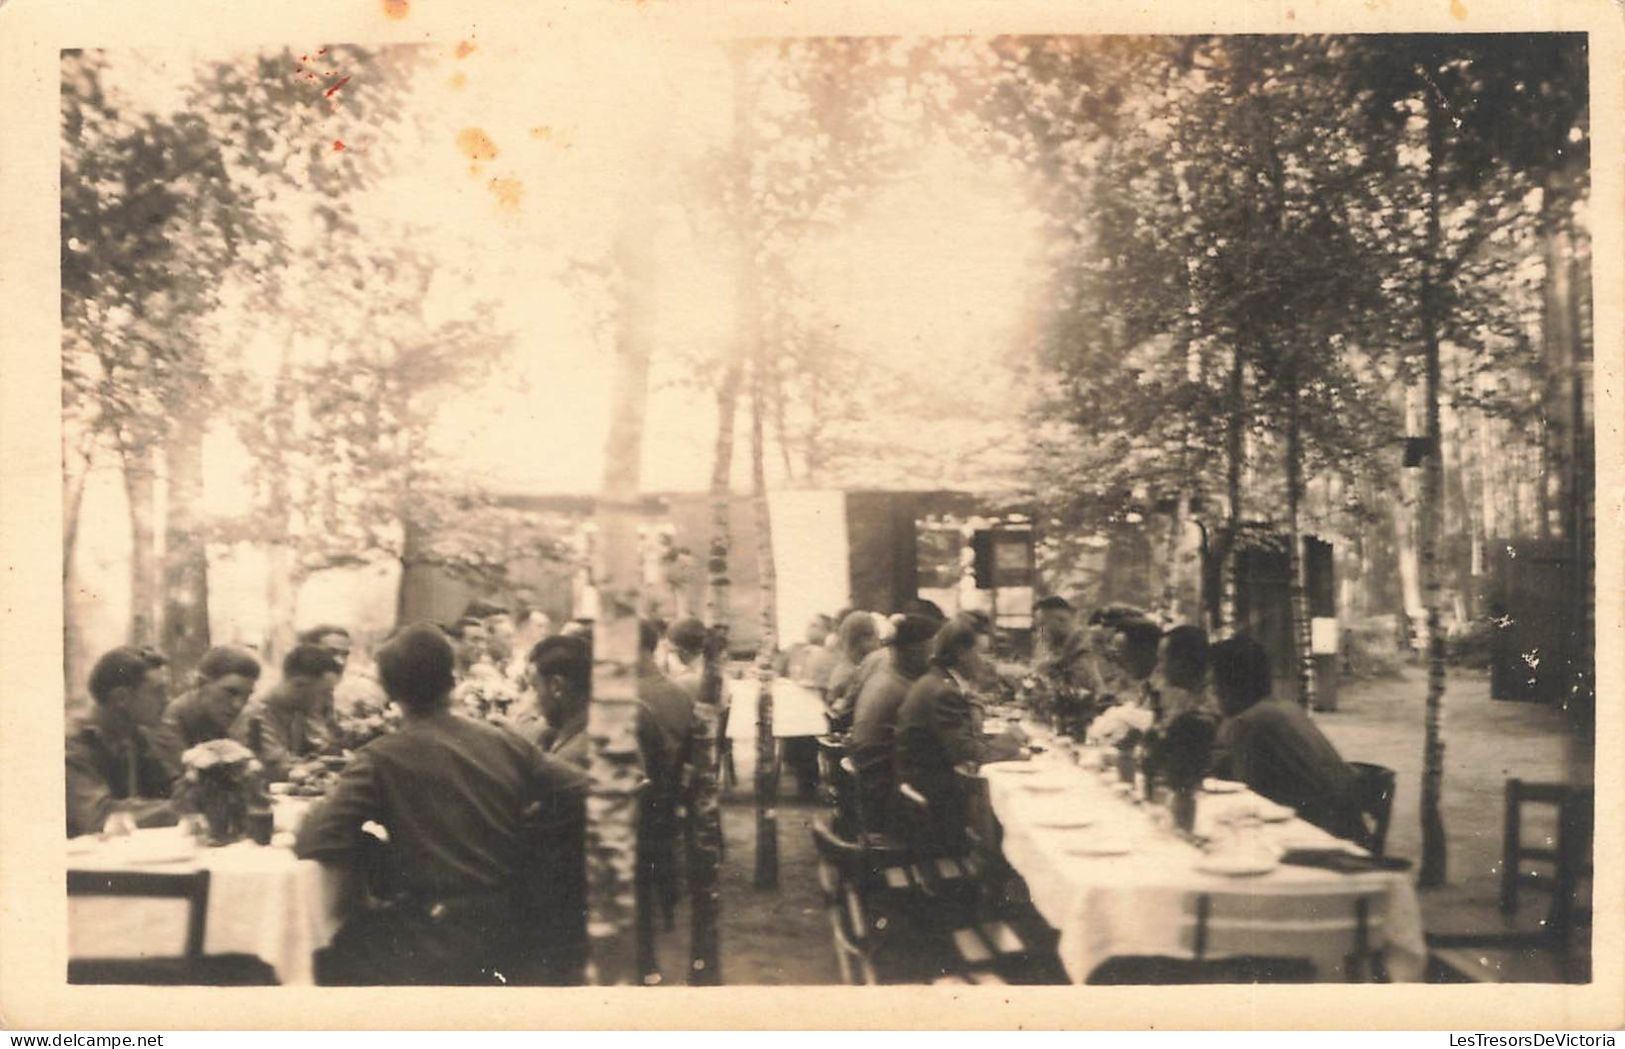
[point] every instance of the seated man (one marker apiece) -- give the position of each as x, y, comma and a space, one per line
287, 713
1273, 747
1065, 658
1182, 672
324, 725
939, 726
872, 742
225, 680
453, 795
1134, 649
809, 662
858, 637
111, 766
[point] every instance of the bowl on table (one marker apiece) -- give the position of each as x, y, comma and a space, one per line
1222, 786
1098, 845
1239, 863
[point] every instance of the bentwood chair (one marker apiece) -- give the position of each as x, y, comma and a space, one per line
873, 918
192, 966
1374, 787
994, 938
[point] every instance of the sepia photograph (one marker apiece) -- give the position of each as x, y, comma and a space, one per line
826, 509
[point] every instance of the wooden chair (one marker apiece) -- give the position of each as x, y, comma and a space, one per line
872, 917
1239, 937
1374, 787
192, 967
831, 751
1569, 854
995, 938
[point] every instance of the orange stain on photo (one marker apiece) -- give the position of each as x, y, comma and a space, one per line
459, 81
507, 191
1458, 10
397, 8
464, 49
338, 145
476, 145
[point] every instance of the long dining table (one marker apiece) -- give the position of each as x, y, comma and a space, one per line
263, 901
1117, 880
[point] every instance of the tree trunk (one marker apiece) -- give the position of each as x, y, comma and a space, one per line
617, 768
1303, 659
705, 812
1235, 453
283, 572
74, 478
186, 558
767, 766
140, 486
1434, 851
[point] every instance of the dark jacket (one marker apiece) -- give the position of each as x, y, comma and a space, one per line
939, 726
107, 774
187, 722
1278, 752
450, 792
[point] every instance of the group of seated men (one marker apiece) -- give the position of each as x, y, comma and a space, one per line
451, 792
912, 705
124, 756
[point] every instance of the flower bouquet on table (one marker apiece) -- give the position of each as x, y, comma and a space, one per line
221, 780
367, 718
486, 694
1178, 756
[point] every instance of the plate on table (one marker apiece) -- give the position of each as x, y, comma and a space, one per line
160, 847
83, 845
1099, 847
1223, 786
1270, 812
1237, 864
1010, 768
1064, 822
1042, 788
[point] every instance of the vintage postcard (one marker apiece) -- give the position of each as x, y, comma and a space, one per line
991, 516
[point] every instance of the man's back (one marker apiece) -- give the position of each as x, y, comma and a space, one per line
450, 791
874, 715
1276, 750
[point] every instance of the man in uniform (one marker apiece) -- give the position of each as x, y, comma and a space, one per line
872, 742
112, 768
453, 795
939, 726
288, 714
1272, 746
563, 671
225, 680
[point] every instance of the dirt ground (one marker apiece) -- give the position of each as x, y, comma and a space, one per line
1486, 743
776, 936
781, 936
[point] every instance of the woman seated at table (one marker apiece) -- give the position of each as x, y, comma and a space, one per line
939, 725
453, 794
1273, 747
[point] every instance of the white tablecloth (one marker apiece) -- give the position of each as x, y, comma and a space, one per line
262, 901
1142, 903
797, 709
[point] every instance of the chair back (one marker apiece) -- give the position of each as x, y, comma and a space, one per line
831, 749
1374, 789
1344, 929
192, 887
